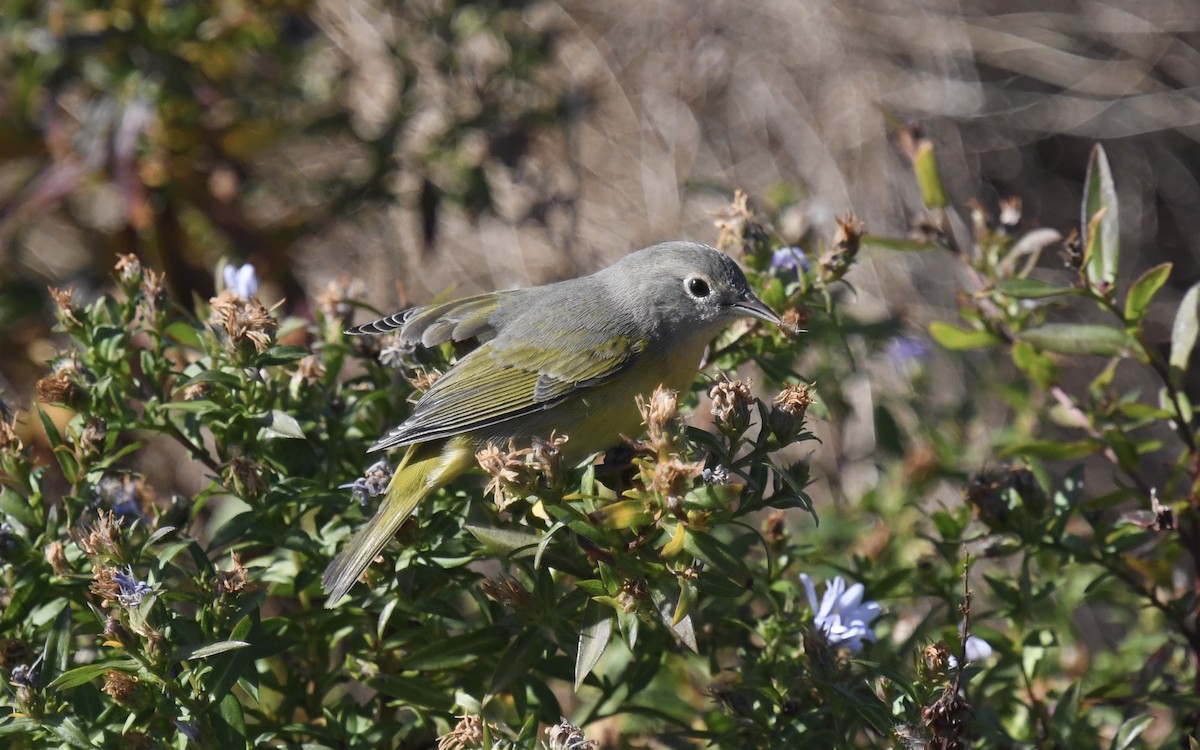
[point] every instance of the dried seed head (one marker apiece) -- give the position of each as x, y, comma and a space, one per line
56, 556
567, 736
506, 468
66, 310
660, 414
242, 320
509, 592
102, 541
10, 441
424, 379
731, 402
233, 581
335, 300
787, 414
466, 735
124, 688
129, 270
309, 370
60, 386
673, 477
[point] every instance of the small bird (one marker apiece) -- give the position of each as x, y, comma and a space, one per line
568, 357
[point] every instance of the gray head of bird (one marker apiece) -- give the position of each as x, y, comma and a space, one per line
686, 286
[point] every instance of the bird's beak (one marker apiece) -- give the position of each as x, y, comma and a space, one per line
752, 307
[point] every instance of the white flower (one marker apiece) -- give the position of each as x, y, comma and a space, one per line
842, 614
241, 280
977, 650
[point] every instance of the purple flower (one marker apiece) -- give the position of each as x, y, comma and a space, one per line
902, 350
373, 484
788, 259
241, 280
842, 614
132, 590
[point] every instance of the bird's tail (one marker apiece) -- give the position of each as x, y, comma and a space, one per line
425, 468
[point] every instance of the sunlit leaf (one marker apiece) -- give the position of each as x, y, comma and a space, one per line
594, 636
1080, 338
955, 338
1143, 290
1183, 333
1100, 221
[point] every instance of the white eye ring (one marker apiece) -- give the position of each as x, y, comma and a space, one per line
697, 287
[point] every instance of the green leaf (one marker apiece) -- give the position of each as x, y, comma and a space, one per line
73, 678
518, 659
1054, 450
717, 554
229, 723
928, 177
58, 646
874, 242
1183, 333
414, 691
456, 651
199, 652
958, 339
1099, 219
594, 636
1079, 338
68, 731
1032, 288
281, 425
504, 542
1128, 732
1143, 290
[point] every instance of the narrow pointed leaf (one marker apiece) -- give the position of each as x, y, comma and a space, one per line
594, 637
1143, 290
1183, 333
955, 338
1100, 220
1072, 338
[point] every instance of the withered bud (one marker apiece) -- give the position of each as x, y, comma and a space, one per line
309, 371
1010, 214
660, 414
334, 301
124, 688
546, 455
116, 632
509, 592
1072, 250
731, 402
194, 392
848, 238
102, 541
242, 320
104, 585
787, 414
633, 592
794, 319
154, 290
247, 476
233, 581
129, 270
936, 659
673, 477
506, 468
466, 735
60, 387
91, 440
56, 556
66, 310
567, 736
424, 379
10, 441
775, 529
14, 651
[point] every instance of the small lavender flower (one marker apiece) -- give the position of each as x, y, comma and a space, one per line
26, 675
902, 350
716, 475
842, 614
132, 590
372, 484
789, 259
241, 280
977, 650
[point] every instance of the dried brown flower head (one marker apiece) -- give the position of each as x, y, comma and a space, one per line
10, 441
60, 386
846, 242
247, 476
103, 540
233, 581
660, 414
1010, 213
194, 392
737, 226
309, 371
731, 400
334, 301
567, 736
787, 414
673, 477
508, 591
468, 734
91, 439
57, 557
124, 688
936, 658
154, 290
794, 319
424, 379
129, 269
242, 320
67, 310
518, 472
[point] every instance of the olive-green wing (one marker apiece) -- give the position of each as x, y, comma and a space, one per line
458, 320
502, 380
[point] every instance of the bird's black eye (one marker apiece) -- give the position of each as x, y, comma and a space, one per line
697, 287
